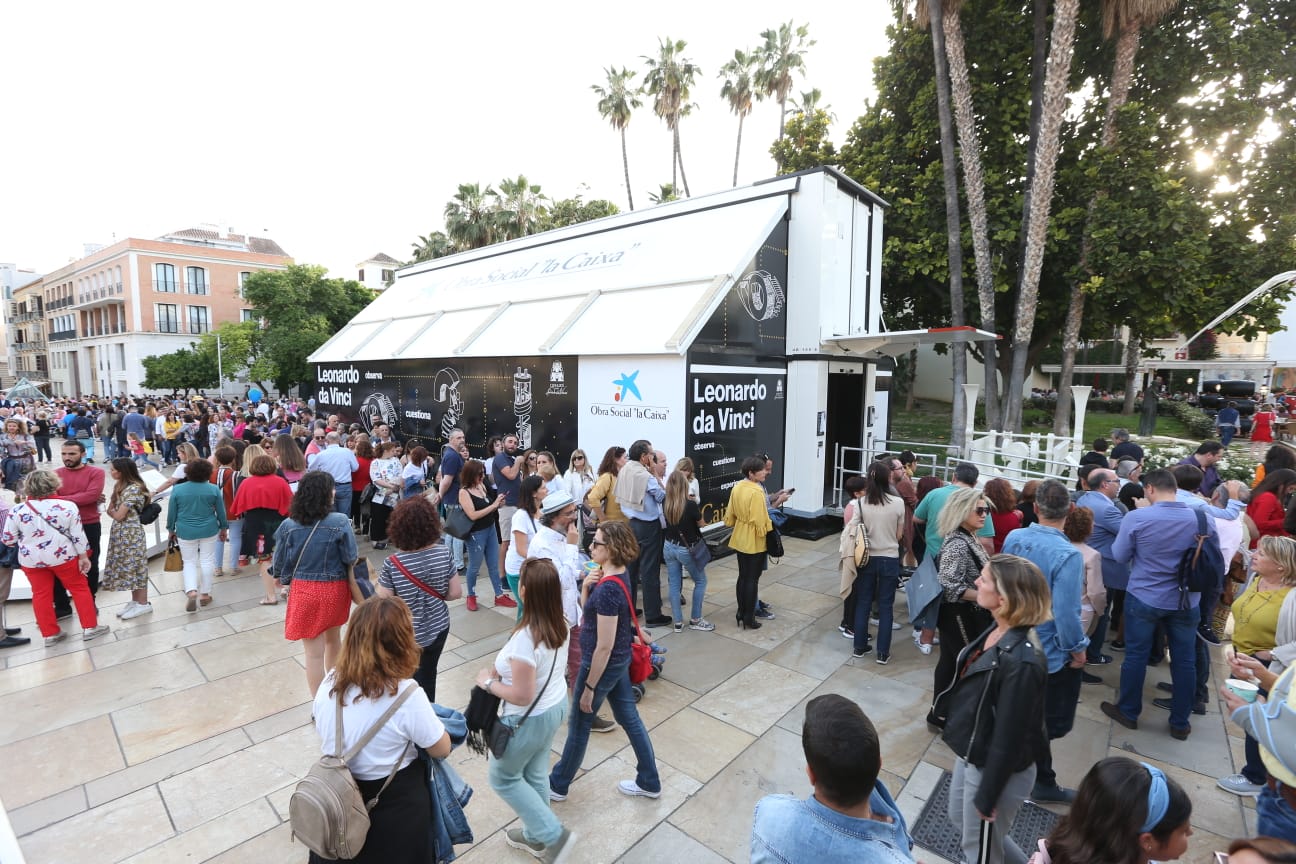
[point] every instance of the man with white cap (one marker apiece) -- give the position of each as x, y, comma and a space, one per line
557, 539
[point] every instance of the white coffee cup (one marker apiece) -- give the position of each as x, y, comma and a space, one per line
1244, 690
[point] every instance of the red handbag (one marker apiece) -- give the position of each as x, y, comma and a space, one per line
640, 654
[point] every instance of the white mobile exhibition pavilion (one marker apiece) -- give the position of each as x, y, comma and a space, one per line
748, 321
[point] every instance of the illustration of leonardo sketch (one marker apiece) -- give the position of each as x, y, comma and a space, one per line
522, 406
445, 388
761, 295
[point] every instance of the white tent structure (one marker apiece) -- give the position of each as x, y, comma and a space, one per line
748, 321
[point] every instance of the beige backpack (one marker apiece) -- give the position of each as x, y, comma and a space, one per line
326, 811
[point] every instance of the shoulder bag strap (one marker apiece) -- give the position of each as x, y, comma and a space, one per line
417, 581
303, 549
630, 602
46, 520
540, 692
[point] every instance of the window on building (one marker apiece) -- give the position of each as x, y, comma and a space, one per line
247, 315
361, 279
198, 320
164, 278
195, 280
243, 277
388, 275
168, 318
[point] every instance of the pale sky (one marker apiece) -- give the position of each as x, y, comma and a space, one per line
341, 129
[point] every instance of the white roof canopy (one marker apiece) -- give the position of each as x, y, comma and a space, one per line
645, 287
893, 343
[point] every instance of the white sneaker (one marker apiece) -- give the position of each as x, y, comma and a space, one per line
55, 639
1239, 785
94, 632
895, 625
121, 613
631, 788
918, 643
137, 610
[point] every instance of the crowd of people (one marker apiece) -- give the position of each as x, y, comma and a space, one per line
1019, 592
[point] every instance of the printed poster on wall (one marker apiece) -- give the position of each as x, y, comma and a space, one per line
735, 411
623, 399
752, 318
532, 397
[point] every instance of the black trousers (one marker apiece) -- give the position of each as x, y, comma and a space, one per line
1061, 695
749, 571
645, 571
378, 515
958, 623
62, 602
426, 673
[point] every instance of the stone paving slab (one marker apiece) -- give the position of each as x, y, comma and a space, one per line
180, 736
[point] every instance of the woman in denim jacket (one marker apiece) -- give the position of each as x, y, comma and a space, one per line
314, 547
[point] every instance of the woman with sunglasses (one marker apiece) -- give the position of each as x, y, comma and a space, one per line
962, 558
580, 477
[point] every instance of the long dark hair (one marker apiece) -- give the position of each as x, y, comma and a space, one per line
1274, 482
1279, 456
527, 493
313, 499
609, 464
129, 475
1109, 808
876, 483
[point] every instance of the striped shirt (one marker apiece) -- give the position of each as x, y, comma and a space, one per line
434, 568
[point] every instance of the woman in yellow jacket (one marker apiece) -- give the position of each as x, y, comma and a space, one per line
748, 515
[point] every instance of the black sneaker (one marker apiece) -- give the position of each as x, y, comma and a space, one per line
1101, 660
761, 604
1118, 645
1198, 708
764, 613
882, 659
846, 631
62, 616
659, 621
860, 652
1207, 634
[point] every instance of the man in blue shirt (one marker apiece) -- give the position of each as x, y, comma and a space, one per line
451, 465
1207, 455
504, 472
340, 463
1062, 638
850, 816
1153, 539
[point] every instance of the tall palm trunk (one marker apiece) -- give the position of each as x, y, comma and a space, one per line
679, 158
953, 226
1061, 48
1122, 76
782, 116
625, 163
974, 187
738, 149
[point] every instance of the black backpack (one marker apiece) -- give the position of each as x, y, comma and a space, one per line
1201, 565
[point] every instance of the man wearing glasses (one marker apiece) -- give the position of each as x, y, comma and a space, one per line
1103, 485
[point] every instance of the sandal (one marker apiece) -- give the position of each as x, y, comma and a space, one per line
191, 604
205, 600
274, 602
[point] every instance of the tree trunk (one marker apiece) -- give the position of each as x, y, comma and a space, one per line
674, 161
625, 162
974, 187
1061, 48
913, 379
738, 149
1122, 75
782, 116
679, 157
1131, 371
953, 225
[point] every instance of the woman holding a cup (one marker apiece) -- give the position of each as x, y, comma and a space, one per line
1264, 631
1272, 722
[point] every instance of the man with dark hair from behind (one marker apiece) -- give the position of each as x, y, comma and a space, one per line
850, 816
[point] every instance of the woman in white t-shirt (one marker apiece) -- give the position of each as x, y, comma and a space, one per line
526, 521
378, 657
528, 677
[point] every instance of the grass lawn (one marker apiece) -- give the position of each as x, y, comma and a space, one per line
930, 422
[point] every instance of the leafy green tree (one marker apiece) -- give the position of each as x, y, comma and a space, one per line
301, 310
574, 210
805, 144
669, 79
617, 102
186, 369
781, 56
738, 90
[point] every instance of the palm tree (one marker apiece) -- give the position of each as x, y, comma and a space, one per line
669, 78
434, 245
616, 102
521, 208
974, 187
737, 75
667, 192
782, 55
471, 216
1125, 18
1046, 147
809, 104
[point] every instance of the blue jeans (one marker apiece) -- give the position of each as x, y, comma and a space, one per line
342, 499
877, 579
1226, 434
234, 545
1274, 817
1180, 625
457, 547
613, 685
109, 447
677, 559
521, 778
483, 544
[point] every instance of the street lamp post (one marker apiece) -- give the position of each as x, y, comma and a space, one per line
220, 368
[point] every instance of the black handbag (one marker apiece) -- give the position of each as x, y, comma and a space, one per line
774, 543
457, 523
367, 493
494, 734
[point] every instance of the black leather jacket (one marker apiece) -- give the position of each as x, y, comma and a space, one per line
995, 710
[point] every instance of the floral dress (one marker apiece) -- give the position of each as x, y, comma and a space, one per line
127, 566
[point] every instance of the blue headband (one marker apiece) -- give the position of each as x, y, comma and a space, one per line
1158, 798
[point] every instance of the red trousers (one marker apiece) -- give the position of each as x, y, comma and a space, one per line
42, 585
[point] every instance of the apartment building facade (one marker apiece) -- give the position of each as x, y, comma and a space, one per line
103, 314
26, 332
